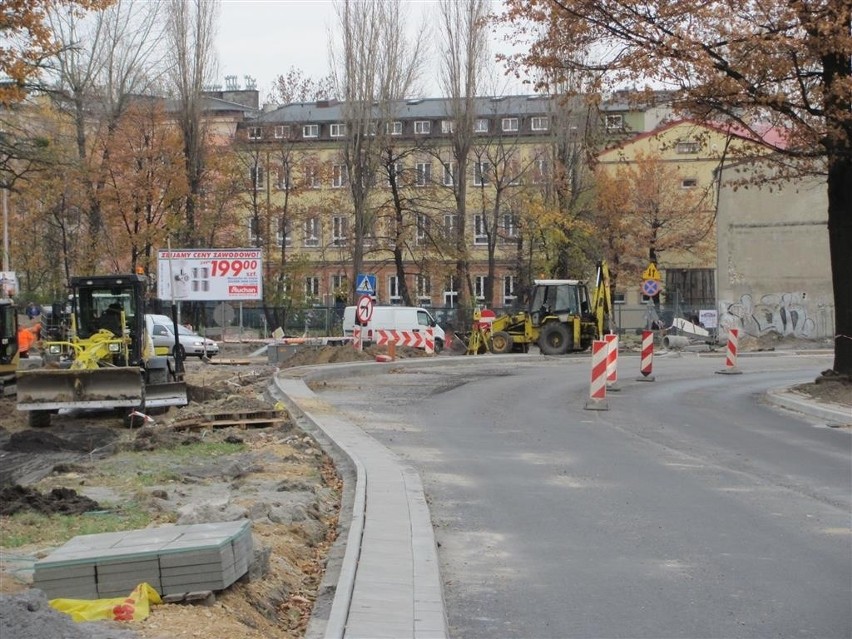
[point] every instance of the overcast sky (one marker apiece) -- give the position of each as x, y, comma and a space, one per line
264, 38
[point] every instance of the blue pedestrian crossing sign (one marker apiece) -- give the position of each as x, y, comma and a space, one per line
365, 284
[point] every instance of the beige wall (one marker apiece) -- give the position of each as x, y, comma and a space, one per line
774, 271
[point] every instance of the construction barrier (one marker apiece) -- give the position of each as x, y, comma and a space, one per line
597, 389
731, 358
416, 339
356, 338
611, 340
646, 362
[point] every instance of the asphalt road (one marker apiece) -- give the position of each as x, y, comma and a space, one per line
688, 509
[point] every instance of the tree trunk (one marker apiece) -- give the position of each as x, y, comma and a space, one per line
840, 241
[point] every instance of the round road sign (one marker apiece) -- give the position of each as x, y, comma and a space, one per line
650, 288
365, 309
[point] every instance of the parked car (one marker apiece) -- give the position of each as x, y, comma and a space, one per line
161, 329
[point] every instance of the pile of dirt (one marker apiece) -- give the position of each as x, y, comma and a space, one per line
59, 501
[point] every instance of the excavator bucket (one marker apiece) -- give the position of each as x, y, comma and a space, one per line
171, 394
57, 388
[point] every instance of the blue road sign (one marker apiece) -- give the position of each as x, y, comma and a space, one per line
366, 284
650, 287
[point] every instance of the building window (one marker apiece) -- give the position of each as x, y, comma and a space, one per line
688, 147
614, 122
481, 171
421, 235
312, 179
339, 287
255, 235
257, 177
393, 290
337, 130
480, 230
451, 292
480, 125
540, 123
424, 289
508, 290
282, 132
450, 173
424, 174
479, 288
450, 225
509, 124
339, 229
285, 234
312, 289
689, 183
508, 231
285, 180
541, 171
422, 127
255, 133
310, 131
448, 126
395, 173
312, 232
393, 128
338, 176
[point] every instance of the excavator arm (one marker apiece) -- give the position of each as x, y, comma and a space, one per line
602, 299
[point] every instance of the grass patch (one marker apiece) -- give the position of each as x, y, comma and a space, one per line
27, 528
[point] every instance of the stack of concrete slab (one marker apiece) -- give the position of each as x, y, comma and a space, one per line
172, 559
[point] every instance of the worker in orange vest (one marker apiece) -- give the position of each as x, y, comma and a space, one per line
27, 336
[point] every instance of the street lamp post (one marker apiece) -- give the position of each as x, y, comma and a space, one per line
5, 229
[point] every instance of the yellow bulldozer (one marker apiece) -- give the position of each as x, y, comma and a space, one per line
105, 361
562, 316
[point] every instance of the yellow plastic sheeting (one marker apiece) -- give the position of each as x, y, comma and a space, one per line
135, 607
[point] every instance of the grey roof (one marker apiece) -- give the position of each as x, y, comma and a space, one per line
426, 108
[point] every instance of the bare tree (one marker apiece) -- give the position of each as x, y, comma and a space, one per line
295, 86
464, 51
375, 65
192, 65
108, 60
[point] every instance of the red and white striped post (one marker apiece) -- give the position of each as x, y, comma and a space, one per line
612, 362
597, 389
430, 341
731, 357
356, 338
646, 363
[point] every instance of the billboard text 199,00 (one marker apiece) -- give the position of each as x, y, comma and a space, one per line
232, 267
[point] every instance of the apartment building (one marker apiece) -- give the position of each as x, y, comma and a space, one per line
299, 160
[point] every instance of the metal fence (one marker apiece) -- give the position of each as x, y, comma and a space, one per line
250, 321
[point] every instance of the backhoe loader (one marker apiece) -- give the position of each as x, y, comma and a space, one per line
107, 359
561, 317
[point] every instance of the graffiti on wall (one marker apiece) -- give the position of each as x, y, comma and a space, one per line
785, 314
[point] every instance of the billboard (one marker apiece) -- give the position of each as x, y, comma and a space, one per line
205, 275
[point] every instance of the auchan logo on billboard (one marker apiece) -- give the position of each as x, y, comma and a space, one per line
234, 289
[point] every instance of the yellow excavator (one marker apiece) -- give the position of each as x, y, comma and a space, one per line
562, 317
106, 361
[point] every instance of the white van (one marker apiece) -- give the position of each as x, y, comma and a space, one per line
397, 318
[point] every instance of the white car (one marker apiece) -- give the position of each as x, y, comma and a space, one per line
161, 329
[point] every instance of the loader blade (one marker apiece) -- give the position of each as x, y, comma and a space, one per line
50, 389
171, 394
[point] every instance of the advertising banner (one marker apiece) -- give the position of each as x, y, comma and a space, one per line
203, 275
